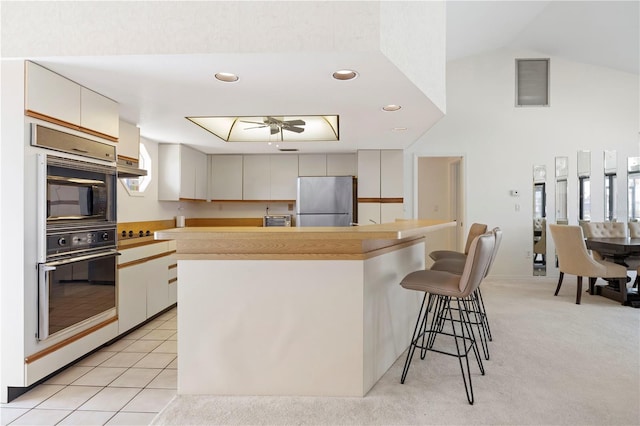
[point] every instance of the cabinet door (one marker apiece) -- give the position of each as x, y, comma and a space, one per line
391, 173
157, 285
284, 177
99, 113
312, 165
132, 297
226, 177
188, 160
368, 213
369, 174
256, 183
169, 180
201, 175
342, 165
129, 141
172, 279
389, 212
51, 94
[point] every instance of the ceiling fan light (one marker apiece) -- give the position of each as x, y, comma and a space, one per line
345, 75
227, 77
391, 107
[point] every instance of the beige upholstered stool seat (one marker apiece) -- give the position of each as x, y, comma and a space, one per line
475, 230
445, 283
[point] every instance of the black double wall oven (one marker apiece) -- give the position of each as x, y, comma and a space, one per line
77, 246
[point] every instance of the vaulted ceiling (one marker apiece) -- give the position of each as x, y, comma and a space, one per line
158, 91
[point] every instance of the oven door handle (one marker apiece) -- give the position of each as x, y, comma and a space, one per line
43, 300
83, 258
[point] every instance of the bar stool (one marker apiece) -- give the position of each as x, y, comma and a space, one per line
444, 290
456, 266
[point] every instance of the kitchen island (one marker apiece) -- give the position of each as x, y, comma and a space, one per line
294, 311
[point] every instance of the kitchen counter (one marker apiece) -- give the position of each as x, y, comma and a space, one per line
237, 242
294, 311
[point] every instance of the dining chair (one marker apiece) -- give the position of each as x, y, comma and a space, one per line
475, 230
634, 232
448, 294
604, 230
574, 259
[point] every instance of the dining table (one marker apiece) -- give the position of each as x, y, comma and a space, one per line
618, 250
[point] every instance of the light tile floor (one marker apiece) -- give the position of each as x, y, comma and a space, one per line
125, 383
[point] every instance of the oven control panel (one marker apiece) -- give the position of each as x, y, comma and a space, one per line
65, 242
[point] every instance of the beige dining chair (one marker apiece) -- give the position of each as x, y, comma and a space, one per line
574, 259
475, 230
604, 230
634, 232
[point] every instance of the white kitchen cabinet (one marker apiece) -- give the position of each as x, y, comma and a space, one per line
51, 94
342, 165
157, 285
312, 165
283, 177
389, 212
391, 173
369, 174
143, 283
99, 113
256, 177
368, 213
57, 99
225, 177
129, 141
182, 173
132, 297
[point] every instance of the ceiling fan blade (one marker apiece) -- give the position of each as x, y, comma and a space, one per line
256, 127
296, 122
294, 129
252, 122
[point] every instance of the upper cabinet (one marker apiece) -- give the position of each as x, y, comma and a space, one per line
269, 177
129, 141
342, 165
182, 173
54, 98
99, 113
391, 173
225, 181
51, 95
369, 174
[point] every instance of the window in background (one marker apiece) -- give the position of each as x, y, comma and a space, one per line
585, 198
136, 186
633, 178
610, 203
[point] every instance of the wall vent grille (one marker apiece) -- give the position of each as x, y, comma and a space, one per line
532, 82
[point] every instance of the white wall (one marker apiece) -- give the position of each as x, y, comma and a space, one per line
592, 108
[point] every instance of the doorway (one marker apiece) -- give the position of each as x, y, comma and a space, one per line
440, 196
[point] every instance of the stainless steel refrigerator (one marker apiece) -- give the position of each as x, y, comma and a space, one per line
326, 201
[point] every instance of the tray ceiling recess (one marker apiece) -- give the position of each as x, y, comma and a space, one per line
272, 128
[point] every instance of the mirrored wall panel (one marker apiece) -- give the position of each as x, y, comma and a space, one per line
584, 186
633, 180
610, 191
562, 175
539, 220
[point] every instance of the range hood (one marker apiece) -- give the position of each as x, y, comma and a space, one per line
129, 169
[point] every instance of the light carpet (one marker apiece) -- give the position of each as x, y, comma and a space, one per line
552, 362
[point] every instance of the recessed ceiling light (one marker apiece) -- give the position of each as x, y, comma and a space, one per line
399, 129
391, 107
345, 75
226, 77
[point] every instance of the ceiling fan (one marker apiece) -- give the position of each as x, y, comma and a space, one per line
275, 125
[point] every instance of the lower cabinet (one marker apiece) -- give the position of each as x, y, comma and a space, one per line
369, 213
144, 288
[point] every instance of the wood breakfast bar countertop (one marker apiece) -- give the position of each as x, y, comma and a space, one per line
311, 311
239, 242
